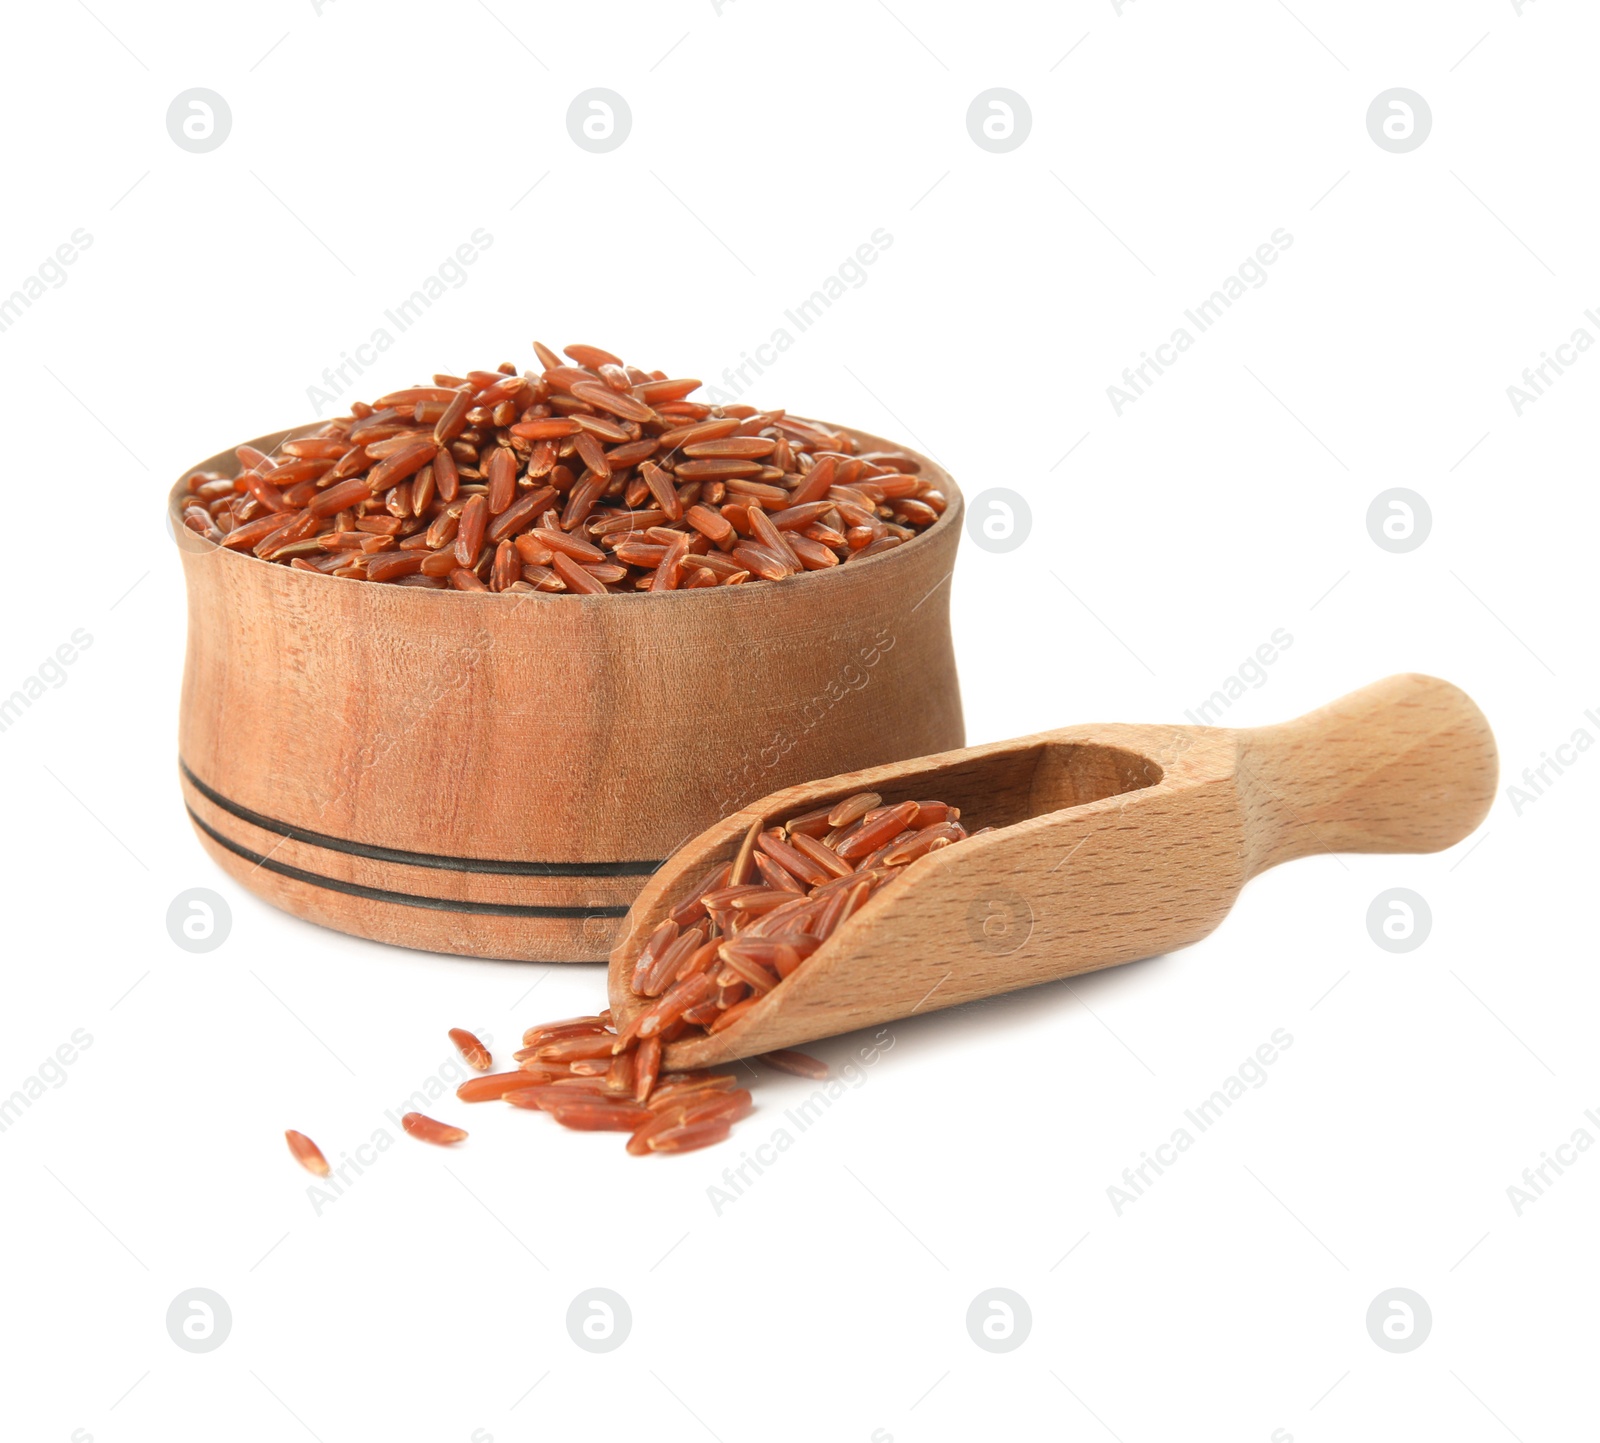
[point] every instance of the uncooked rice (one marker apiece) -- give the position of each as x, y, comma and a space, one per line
430, 1129
306, 1153
587, 478
472, 1051
730, 942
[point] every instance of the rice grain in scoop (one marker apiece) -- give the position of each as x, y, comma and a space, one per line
736, 935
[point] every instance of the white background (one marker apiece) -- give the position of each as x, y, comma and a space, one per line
829, 1301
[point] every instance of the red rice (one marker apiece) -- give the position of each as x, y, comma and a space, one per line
428, 1129
731, 942
734, 939
438, 479
473, 1052
306, 1153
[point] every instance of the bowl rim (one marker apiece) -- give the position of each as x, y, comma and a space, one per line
194, 544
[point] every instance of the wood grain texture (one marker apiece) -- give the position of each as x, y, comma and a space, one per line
576, 730
1114, 843
1405, 765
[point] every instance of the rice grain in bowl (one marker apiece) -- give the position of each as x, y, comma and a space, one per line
496, 775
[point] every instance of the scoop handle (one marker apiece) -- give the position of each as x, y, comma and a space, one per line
1407, 764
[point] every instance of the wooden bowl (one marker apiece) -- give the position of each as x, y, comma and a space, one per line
497, 776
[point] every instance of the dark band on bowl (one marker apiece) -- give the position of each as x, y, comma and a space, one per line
487, 865
403, 899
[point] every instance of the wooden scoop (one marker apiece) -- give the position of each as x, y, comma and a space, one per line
1111, 843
